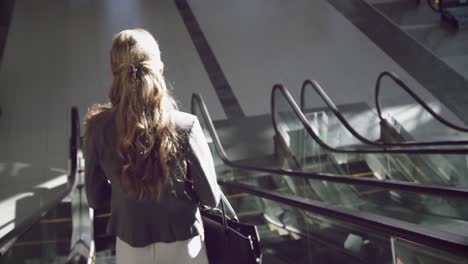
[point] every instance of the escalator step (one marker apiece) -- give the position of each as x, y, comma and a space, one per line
56, 225
357, 167
62, 210
41, 251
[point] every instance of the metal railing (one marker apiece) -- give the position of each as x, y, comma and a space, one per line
453, 243
413, 95
198, 103
333, 108
378, 149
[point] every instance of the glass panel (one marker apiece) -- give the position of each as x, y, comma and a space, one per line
443, 213
307, 153
410, 252
412, 122
406, 115
443, 170
319, 238
293, 235
359, 115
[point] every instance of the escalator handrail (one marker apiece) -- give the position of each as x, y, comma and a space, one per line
439, 239
332, 107
452, 242
8, 239
380, 149
197, 102
402, 85
319, 90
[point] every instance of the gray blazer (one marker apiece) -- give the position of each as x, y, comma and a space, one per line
174, 217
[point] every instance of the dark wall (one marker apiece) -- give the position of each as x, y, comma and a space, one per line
6, 8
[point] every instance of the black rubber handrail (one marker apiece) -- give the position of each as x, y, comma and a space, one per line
319, 90
314, 84
450, 242
198, 103
380, 149
418, 99
8, 239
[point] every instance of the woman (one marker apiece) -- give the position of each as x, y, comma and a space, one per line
146, 148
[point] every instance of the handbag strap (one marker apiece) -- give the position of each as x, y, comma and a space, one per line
225, 202
223, 216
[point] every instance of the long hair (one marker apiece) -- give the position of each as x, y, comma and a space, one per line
146, 137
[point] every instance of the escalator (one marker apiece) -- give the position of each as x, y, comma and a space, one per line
297, 223
382, 117
321, 237
448, 160
297, 136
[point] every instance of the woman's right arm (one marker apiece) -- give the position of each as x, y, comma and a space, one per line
202, 169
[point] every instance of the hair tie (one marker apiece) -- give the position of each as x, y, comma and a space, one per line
133, 70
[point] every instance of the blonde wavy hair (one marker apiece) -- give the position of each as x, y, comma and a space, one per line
142, 107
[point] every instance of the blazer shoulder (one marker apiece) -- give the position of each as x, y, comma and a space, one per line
98, 114
95, 121
184, 121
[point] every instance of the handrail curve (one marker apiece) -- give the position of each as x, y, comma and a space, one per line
378, 149
332, 107
399, 81
197, 102
323, 95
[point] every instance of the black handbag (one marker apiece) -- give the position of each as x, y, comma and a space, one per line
228, 240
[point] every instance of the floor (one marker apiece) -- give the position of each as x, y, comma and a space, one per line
231, 52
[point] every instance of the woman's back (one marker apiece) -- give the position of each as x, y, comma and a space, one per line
170, 218
145, 148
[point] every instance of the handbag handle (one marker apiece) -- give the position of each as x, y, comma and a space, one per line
223, 216
224, 201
